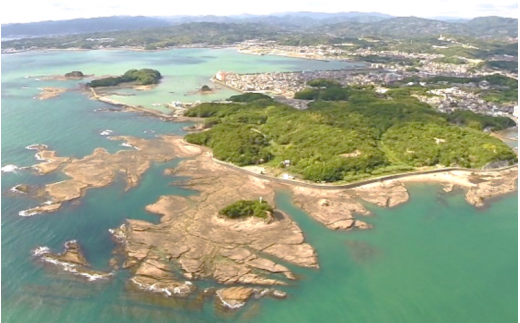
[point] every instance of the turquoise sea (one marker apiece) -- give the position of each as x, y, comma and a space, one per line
433, 259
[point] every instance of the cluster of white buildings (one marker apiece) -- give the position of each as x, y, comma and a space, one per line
287, 84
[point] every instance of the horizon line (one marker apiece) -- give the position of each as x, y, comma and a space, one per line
271, 14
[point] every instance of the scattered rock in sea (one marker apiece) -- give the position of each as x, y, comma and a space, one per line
234, 297
39, 147
71, 260
48, 206
20, 188
278, 294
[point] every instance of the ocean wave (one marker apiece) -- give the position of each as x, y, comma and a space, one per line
29, 212
38, 157
125, 144
106, 132
40, 251
179, 290
9, 168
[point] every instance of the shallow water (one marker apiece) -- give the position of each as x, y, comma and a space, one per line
433, 259
184, 70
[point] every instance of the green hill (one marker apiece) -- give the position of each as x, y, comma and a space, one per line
365, 135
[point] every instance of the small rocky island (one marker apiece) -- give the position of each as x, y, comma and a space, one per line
205, 89
133, 77
75, 75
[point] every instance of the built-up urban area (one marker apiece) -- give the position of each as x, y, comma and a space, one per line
446, 96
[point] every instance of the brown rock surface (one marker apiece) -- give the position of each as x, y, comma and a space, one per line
234, 297
101, 168
45, 208
333, 208
491, 184
50, 92
156, 276
386, 194
192, 237
71, 260
51, 162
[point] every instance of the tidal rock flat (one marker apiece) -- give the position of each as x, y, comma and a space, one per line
335, 209
101, 168
481, 185
193, 242
50, 93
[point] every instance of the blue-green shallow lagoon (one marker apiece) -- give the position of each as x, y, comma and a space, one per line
433, 259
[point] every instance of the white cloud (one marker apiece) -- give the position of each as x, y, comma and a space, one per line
38, 10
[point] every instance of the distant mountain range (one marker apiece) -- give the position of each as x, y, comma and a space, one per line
338, 24
413, 26
306, 19
79, 26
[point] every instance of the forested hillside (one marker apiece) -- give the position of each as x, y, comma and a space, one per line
363, 135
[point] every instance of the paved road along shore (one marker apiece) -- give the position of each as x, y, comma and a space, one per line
355, 184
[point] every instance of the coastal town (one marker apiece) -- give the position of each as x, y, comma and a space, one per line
448, 98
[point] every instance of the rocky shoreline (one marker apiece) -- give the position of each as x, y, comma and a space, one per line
246, 257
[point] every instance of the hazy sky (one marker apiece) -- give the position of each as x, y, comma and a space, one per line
39, 10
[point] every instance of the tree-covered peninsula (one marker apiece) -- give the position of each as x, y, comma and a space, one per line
364, 135
145, 76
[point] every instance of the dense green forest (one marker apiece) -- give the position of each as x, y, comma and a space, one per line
244, 208
479, 121
363, 135
143, 76
249, 97
509, 66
